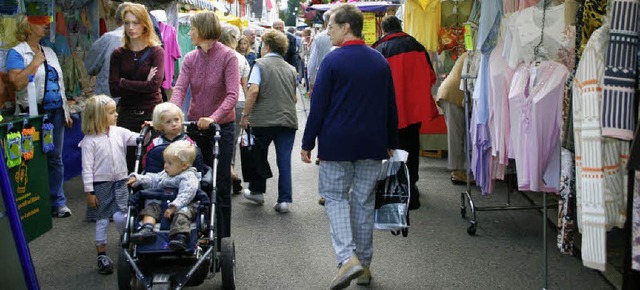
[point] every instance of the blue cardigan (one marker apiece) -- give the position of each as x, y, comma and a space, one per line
353, 109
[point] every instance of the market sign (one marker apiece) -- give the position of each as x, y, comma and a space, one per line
369, 28
29, 179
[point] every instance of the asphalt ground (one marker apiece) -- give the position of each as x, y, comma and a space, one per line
293, 251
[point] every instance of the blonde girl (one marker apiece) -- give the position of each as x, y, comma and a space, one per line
104, 170
244, 48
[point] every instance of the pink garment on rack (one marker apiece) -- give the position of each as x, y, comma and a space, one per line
536, 121
500, 76
171, 53
511, 6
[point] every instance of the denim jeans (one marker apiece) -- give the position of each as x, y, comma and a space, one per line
223, 173
283, 138
54, 158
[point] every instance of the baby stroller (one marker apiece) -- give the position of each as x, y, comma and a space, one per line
155, 265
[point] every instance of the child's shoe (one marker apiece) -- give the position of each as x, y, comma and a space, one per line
144, 235
178, 242
237, 184
105, 265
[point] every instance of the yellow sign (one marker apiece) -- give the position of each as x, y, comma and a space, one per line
369, 28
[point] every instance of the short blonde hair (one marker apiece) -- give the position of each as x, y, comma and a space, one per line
23, 28
94, 117
230, 35
161, 110
181, 150
140, 12
207, 24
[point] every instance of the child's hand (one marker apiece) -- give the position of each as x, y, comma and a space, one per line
146, 123
131, 180
169, 212
92, 200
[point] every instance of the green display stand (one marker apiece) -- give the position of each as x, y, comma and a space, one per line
30, 181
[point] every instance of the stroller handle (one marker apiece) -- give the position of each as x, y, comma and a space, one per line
194, 124
139, 143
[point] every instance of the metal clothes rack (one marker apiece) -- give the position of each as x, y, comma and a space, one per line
465, 196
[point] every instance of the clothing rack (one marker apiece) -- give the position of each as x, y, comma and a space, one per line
465, 197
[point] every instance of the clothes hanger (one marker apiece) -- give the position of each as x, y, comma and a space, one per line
537, 54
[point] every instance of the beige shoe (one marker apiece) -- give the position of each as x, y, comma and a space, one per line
347, 272
365, 278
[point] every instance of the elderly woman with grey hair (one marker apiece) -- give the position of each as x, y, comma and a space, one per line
230, 37
270, 109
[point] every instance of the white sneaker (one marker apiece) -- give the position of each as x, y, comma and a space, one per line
282, 207
256, 197
62, 212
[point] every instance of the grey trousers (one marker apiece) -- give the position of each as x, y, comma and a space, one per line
454, 116
181, 222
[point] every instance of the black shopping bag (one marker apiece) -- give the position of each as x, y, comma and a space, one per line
255, 165
392, 198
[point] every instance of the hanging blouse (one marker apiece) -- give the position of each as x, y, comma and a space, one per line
171, 53
524, 34
511, 6
594, 11
422, 21
535, 104
600, 161
184, 40
499, 84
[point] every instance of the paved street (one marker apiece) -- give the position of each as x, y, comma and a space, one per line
293, 251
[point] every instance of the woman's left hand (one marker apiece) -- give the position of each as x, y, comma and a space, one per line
203, 123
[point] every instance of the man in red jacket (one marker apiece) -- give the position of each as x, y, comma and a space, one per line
413, 77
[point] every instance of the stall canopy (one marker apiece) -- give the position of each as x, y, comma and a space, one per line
233, 20
205, 4
363, 6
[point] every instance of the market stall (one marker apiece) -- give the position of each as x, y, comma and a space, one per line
372, 12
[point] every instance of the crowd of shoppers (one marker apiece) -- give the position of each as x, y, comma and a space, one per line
358, 96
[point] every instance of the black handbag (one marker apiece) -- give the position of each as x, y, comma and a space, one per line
255, 165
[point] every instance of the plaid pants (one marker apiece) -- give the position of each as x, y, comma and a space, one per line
347, 187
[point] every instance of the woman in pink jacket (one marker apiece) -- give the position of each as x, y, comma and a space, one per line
211, 71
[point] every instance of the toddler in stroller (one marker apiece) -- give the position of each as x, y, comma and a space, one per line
178, 173
189, 250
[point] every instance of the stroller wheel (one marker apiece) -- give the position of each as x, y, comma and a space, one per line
228, 263
126, 279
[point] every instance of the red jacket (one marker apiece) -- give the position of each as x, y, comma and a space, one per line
413, 77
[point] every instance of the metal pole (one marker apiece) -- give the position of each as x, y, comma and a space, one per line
22, 247
544, 238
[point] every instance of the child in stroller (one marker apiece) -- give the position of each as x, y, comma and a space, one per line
156, 264
178, 173
168, 120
